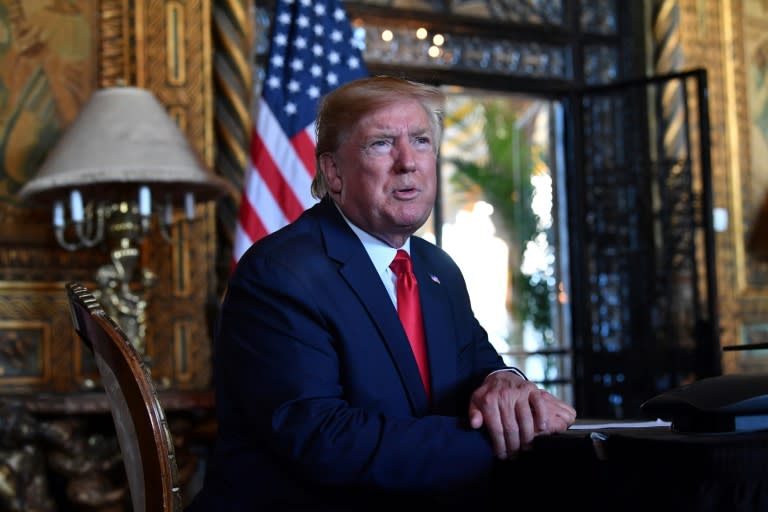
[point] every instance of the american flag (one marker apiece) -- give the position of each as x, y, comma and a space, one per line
313, 51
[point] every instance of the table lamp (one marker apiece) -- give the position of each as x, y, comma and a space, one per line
122, 163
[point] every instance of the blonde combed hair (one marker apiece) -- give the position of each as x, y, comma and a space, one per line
341, 109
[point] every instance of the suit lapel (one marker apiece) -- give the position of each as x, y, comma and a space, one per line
441, 344
357, 270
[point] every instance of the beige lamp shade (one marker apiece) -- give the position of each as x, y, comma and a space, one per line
123, 138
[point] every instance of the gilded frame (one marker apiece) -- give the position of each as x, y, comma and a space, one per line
743, 279
748, 121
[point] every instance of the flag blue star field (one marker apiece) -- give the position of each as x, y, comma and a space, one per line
312, 52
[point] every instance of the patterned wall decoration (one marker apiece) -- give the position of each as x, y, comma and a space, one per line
755, 94
161, 45
748, 110
724, 37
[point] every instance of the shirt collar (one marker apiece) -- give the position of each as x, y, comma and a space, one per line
380, 253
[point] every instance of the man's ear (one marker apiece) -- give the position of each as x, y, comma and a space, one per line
331, 172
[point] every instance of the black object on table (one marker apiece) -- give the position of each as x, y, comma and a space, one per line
648, 469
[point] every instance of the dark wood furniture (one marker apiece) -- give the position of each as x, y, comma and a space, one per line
59, 452
142, 430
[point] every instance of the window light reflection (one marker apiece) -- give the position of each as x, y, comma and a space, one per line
483, 259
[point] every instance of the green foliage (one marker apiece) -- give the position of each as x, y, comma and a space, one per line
534, 302
504, 180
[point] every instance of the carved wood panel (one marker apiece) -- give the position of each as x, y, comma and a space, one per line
162, 45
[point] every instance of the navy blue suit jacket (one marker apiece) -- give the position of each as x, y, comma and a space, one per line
319, 400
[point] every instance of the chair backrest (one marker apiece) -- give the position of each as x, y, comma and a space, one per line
142, 430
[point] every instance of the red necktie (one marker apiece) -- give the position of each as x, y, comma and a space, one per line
409, 310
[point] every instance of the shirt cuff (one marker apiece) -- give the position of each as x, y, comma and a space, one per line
510, 369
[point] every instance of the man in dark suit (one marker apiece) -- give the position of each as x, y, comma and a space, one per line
319, 398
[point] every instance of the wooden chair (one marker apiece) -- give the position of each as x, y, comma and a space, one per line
142, 430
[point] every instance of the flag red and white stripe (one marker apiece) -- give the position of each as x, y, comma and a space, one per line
313, 50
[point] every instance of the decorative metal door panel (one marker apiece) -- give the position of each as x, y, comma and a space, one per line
644, 291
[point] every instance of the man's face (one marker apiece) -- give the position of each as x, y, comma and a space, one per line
384, 174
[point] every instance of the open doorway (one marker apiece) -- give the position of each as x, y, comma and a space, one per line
499, 215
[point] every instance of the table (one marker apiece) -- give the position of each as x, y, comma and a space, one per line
650, 469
